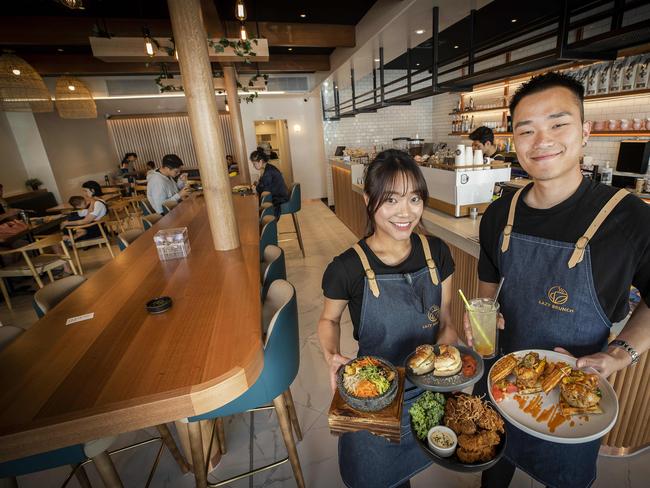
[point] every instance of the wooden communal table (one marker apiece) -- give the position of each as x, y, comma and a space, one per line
125, 369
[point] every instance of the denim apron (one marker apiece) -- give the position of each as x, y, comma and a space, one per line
404, 315
548, 300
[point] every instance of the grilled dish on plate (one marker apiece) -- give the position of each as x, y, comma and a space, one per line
580, 394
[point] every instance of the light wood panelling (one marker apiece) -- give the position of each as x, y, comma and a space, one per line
151, 137
349, 205
465, 278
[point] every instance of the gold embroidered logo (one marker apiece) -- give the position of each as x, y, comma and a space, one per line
558, 295
434, 314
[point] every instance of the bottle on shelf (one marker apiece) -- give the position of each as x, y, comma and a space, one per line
471, 124
471, 103
606, 174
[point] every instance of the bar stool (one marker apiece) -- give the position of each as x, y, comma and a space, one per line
281, 362
269, 233
293, 207
75, 456
149, 220
272, 268
8, 333
127, 237
266, 208
47, 297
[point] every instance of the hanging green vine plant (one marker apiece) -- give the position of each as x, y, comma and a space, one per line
243, 49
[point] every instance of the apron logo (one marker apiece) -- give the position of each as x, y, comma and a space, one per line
557, 297
434, 314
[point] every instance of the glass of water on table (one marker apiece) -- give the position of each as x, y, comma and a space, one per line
483, 314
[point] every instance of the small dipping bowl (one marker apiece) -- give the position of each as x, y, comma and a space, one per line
159, 305
442, 451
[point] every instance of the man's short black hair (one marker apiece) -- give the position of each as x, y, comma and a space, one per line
482, 134
171, 161
548, 80
151, 164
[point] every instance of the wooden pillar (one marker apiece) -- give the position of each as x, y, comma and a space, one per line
230, 79
191, 41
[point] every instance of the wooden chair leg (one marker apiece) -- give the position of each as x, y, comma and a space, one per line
82, 476
297, 226
167, 438
108, 243
291, 408
285, 427
198, 461
50, 276
221, 435
5, 293
107, 471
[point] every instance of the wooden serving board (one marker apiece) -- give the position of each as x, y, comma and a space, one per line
386, 423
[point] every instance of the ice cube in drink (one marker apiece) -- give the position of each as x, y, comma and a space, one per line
483, 319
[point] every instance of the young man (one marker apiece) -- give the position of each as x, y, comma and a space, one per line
541, 239
162, 184
483, 138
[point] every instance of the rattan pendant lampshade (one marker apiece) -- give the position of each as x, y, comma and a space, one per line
74, 100
21, 88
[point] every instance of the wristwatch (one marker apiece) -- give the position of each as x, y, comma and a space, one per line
629, 349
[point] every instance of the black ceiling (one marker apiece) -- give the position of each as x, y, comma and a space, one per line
493, 20
346, 12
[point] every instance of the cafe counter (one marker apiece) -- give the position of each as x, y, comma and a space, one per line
632, 385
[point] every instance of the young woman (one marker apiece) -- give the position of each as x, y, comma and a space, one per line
92, 208
397, 302
270, 180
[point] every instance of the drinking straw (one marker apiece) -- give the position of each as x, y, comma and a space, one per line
496, 296
473, 319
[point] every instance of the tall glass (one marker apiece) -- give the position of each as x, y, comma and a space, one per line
483, 319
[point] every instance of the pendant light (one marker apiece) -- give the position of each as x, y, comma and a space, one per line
240, 10
73, 4
21, 88
243, 32
227, 107
148, 43
74, 100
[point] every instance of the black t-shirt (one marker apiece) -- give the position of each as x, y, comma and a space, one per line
344, 277
620, 249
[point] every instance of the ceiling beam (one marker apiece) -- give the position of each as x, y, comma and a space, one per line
87, 65
74, 31
297, 34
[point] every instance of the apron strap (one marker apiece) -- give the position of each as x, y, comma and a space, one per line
370, 274
431, 264
511, 219
581, 244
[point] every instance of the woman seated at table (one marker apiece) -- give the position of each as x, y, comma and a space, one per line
89, 208
396, 304
270, 179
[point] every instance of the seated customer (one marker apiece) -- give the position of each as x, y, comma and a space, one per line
162, 184
270, 180
151, 168
88, 208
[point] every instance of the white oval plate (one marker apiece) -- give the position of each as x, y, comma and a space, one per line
583, 431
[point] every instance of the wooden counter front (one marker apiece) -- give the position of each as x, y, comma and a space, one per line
125, 369
348, 205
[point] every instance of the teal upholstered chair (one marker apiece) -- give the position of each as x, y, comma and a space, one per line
149, 220
266, 208
268, 233
281, 362
293, 207
266, 197
125, 238
273, 267
47, 297
75, 456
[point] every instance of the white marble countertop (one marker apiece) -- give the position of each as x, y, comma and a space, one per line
461, 232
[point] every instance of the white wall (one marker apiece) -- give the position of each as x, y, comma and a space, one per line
32, 151
12, 172
304, 120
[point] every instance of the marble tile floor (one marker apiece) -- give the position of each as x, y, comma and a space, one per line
324, 237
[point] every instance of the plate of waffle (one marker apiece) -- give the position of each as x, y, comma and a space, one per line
544, 394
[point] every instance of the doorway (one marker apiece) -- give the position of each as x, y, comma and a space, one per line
273, 137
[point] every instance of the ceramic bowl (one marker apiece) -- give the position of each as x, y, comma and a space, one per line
368, 404
599, 125
613, 124
442, 451
625, 124
637, 124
